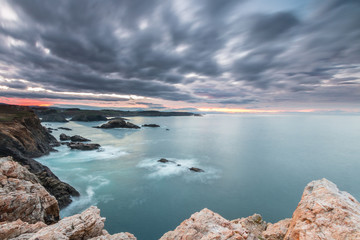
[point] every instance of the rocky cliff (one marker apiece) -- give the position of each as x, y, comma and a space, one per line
23, 137
26, 208
323, 213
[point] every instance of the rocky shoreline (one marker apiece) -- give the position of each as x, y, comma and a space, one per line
28, 211
23, 137
31, 197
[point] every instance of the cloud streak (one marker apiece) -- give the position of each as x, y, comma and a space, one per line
233, 54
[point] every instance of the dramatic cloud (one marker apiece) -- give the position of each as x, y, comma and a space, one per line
227, 53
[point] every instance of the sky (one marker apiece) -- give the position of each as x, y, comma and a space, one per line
193, 55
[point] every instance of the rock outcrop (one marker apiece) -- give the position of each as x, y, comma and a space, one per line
64, 137
23, 197
324, 212
118, 123
78, 138
23, 137
88, 118
83, 146
151, 125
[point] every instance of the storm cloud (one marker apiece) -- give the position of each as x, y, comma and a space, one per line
226, 53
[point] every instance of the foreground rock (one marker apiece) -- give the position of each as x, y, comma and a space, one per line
23, 197
151, 125
53, 118
87, 225
324, 212
206, 225
118, 123
84, 146
89, 118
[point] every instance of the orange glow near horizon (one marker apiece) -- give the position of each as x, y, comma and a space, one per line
238, 110
26, 102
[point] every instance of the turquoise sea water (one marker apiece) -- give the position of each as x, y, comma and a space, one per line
253, 164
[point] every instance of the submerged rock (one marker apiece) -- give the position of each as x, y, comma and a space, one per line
78, 138
151, 125
23, 197
118, 123
163, 160
83, 146
65, 128
194, 169
64, 137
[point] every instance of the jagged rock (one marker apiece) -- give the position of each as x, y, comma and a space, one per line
11, 230
118, 123
23, 137
194, 169
324, 212
53, 118
151, 125
117, 236
277, 230
60, 190
206, 225
78, 138
87, 225
23, 197
65, 128
89, 118
84, 146
64, 137
254, 224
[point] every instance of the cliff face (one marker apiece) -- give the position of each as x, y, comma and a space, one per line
22, 136
26, 207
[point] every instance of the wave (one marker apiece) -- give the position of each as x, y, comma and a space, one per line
178, 168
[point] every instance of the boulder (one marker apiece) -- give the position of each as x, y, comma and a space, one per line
151, 125
64, 137
83, 146
163, 160
23, 197
206, 225
118, 123
324, 212
78, 138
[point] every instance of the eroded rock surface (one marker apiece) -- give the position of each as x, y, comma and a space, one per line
206, 225
23, 197
324, 212
277, 230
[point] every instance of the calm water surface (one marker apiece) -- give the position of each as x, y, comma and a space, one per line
253, 164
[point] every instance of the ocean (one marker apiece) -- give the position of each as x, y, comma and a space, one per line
252, 164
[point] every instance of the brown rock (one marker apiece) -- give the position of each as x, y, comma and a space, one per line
10, 230
254, 224
206, 225
23, 197
84, 146
277, 230
324, 212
